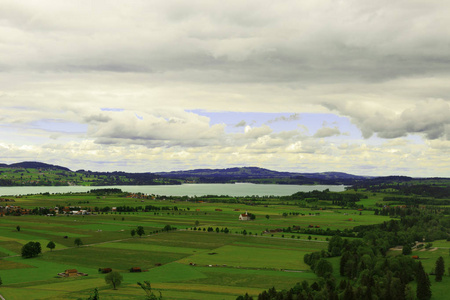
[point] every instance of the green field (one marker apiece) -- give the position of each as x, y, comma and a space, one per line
181, 264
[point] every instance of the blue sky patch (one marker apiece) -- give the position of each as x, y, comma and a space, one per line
111, 109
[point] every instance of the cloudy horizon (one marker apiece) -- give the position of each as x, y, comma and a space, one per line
304, 86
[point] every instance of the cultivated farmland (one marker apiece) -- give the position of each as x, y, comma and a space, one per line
210, 254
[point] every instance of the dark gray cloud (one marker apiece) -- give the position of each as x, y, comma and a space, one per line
97, 118
294, 41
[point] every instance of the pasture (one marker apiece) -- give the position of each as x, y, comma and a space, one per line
181, 264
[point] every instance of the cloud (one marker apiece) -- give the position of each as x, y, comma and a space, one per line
130, 71
241, 124
255, 132
430, 118
97, 118
326, 132
128, 128
276, 43
293, 117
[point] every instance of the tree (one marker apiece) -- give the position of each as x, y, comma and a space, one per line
1, 282
140, 231
168, 228
114, 278
148, 290
346, 256
51, 245
323, 267
31, 249
133, 232
267, 217
78, 242
348, 293
409, 293
407, 250
94, 295
440, 268
18, 228
423, 284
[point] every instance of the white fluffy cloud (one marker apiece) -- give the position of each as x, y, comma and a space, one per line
430, 118
176, 128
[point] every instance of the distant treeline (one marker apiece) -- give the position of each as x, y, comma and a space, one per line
341, 199
416, 201
100, 192
407, 230
406, 186
123, 178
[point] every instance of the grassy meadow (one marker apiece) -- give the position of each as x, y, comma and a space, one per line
181, 264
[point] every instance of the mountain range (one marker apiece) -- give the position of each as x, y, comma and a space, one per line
48, 174
65, 176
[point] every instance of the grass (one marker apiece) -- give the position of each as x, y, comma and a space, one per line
253, 263
149, 247
251, 257
117, 259
252, 278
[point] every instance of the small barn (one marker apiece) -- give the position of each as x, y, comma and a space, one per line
105, 270
135, 269
71, 272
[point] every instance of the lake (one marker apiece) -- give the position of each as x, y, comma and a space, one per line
238, 189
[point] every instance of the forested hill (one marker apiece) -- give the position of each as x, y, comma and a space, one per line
260, 175
42, 174
34, 165
38, 173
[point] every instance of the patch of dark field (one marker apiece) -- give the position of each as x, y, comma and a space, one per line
189, 239
117, 259
86, 237
47, 281
285, 242
310, 246
252, 278
11, 265
12, 246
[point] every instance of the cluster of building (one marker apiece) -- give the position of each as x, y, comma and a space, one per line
17, 210
13, 210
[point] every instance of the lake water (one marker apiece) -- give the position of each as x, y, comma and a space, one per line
238, 189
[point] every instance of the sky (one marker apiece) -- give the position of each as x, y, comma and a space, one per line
361, 87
